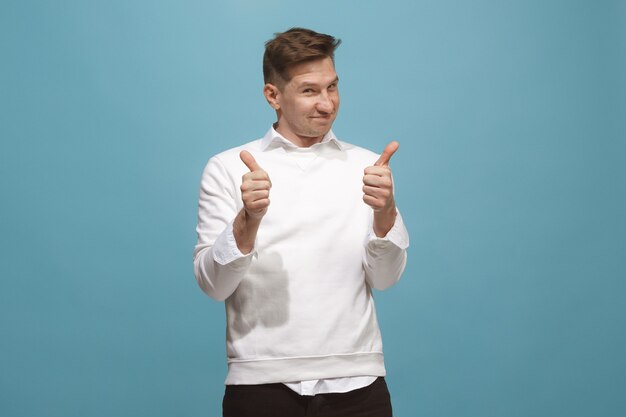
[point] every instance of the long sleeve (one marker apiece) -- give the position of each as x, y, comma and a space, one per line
219, 266
385, 258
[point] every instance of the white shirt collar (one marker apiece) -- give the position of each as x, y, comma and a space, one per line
272, 136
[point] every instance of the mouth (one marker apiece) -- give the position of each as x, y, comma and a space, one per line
323, 117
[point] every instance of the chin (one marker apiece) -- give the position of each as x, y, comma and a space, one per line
322, 127
317, 133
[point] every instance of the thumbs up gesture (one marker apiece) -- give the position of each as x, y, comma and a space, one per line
255, 187
378, 191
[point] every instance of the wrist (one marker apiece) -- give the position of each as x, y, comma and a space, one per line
384, 220
245, 229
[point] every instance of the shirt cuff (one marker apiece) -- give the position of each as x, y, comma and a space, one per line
225, 250
397, 235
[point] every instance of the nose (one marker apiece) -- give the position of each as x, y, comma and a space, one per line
325, 103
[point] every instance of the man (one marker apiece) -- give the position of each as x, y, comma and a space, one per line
297, 273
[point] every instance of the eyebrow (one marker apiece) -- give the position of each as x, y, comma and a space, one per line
310, 84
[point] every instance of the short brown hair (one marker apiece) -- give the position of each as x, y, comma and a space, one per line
292, 47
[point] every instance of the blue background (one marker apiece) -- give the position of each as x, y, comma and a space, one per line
511, 175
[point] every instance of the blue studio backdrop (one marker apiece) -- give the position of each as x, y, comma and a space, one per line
511, 176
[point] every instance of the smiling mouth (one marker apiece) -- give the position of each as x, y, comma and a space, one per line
324, 120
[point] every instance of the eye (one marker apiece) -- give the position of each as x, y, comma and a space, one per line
333, 86
307, 91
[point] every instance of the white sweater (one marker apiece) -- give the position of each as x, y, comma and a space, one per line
299, 307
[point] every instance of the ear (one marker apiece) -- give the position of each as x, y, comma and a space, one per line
271, 93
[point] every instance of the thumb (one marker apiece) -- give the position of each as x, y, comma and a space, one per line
390, 149
249, 160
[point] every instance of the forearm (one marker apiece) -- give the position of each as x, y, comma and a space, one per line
384, 264
385, 258
219, 268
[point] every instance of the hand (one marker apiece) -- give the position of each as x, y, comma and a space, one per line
378, 191
255, 188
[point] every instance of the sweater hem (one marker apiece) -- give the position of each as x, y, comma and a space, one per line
273, 370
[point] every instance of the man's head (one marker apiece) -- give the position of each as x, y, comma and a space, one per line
295, 46
301, 84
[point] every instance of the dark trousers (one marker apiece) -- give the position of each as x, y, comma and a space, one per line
276, 400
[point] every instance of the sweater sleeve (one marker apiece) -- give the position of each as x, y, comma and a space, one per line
384, 258
218, 264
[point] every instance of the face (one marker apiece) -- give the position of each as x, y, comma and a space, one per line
307, 104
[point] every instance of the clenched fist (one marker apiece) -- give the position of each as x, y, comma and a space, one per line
378, 191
